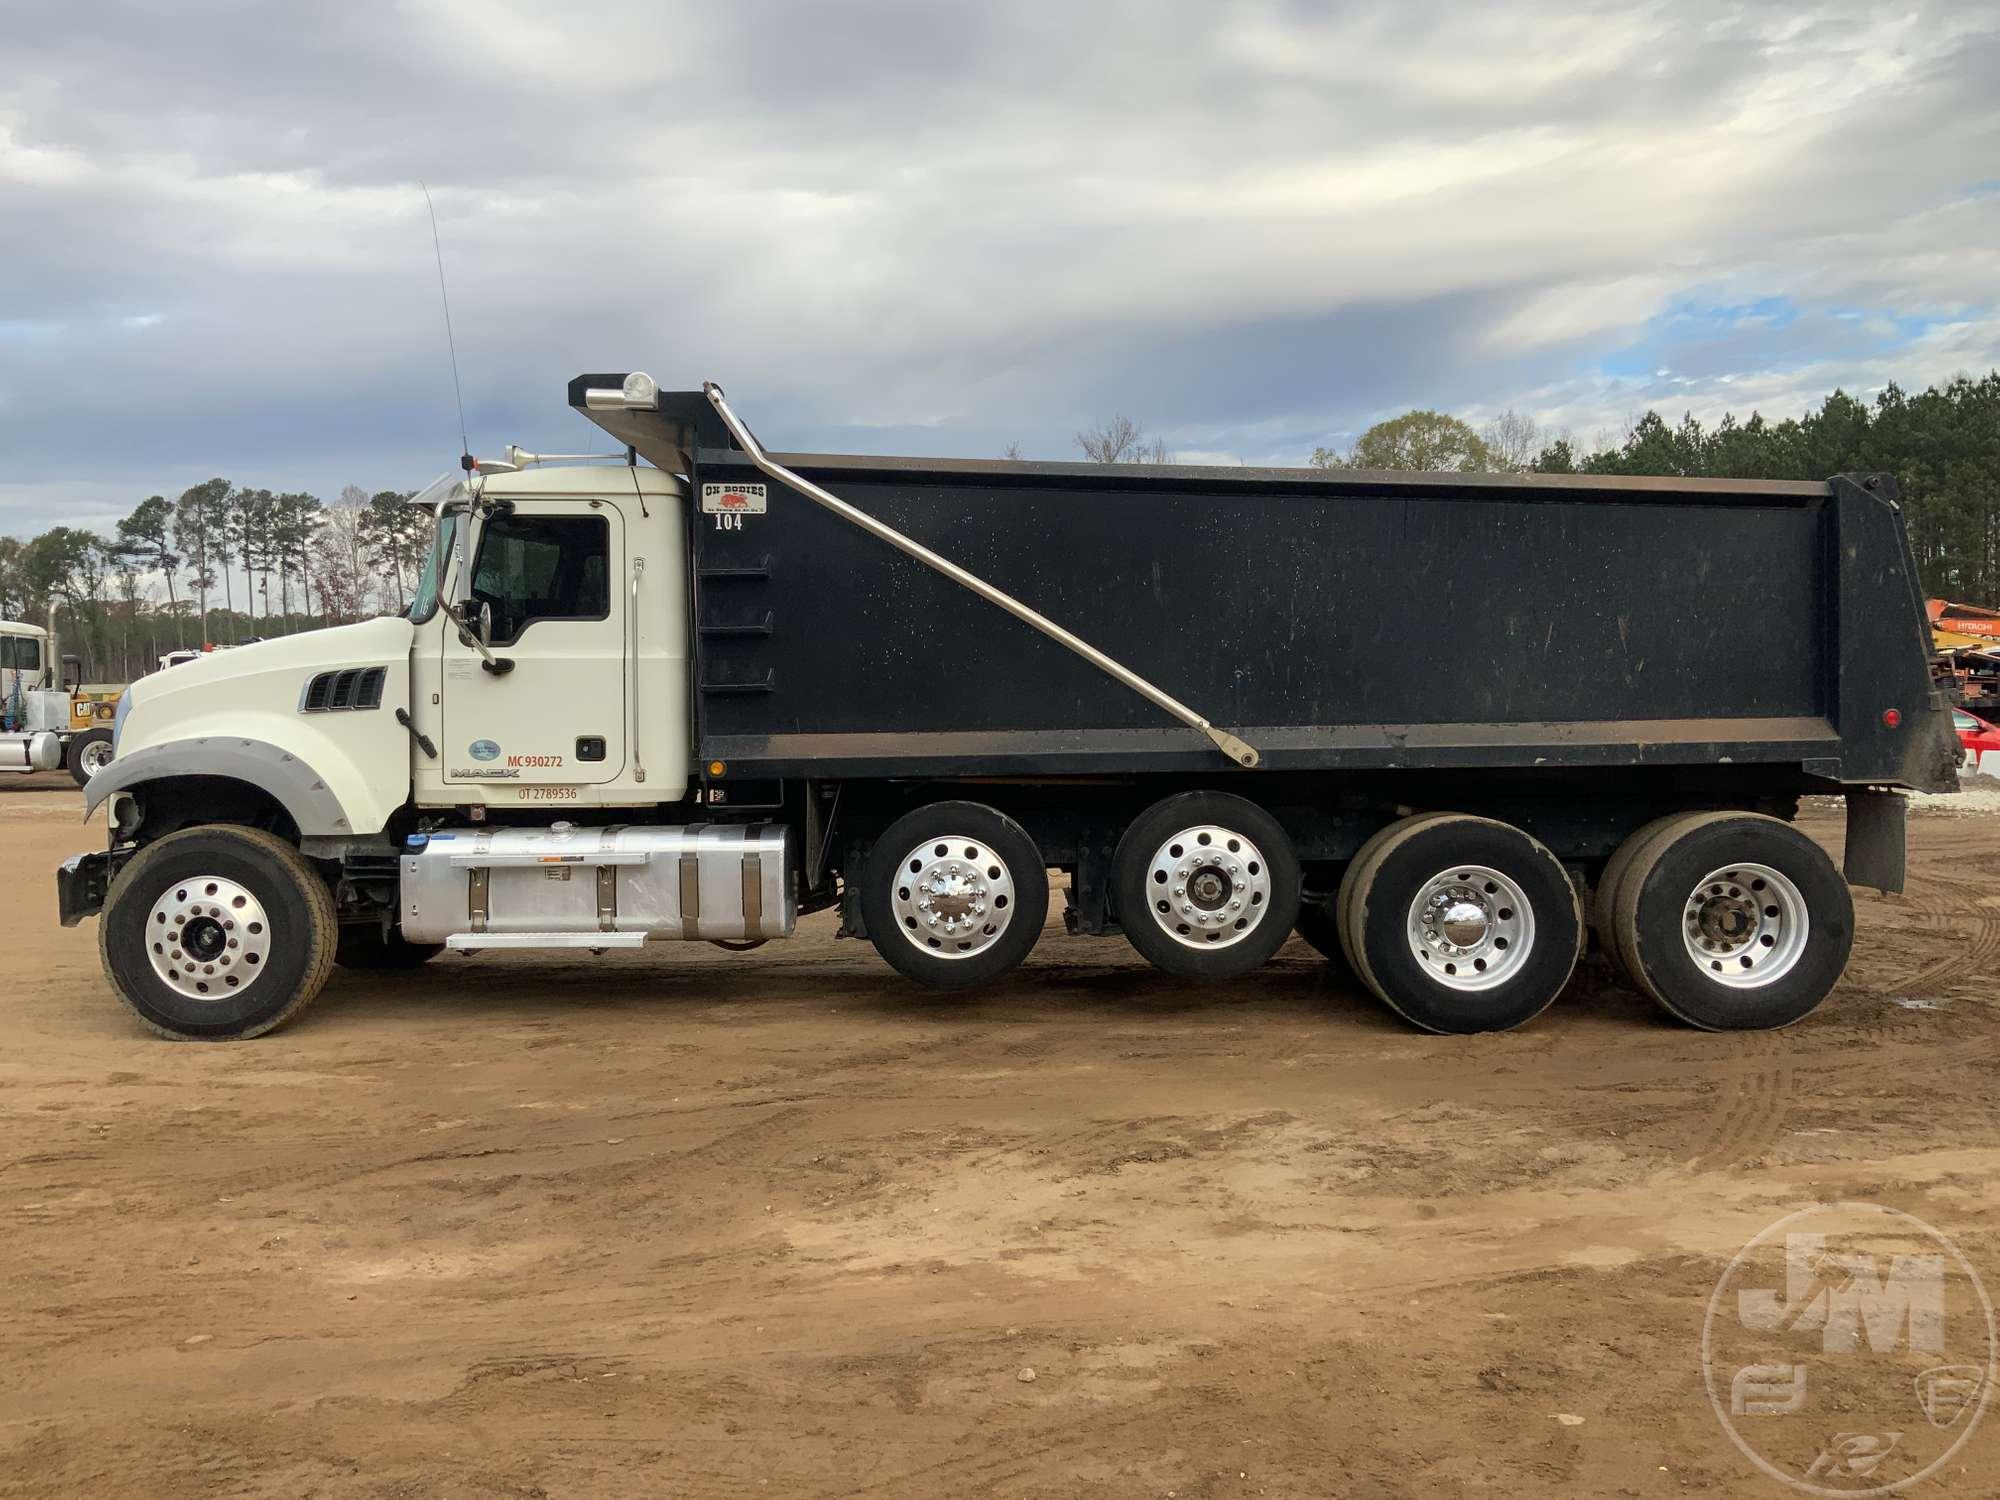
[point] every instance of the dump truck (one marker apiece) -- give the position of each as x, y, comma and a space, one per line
1445, 727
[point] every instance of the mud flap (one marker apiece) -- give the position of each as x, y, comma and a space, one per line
1876, 823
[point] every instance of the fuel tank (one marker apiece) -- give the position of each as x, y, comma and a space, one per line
597, 887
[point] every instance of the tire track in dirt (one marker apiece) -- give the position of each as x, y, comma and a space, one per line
1961, 912
1015, 1460
1746, 1120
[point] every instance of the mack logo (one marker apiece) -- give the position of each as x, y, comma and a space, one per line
483, 750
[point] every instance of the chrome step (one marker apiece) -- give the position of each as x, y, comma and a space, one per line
466, 942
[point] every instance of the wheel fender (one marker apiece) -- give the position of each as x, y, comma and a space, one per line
301, 790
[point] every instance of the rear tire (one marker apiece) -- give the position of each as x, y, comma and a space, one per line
954, 894
1461, 924
1734, 921
1605, 896
1206, 885
88, 753
216, 933
367, 948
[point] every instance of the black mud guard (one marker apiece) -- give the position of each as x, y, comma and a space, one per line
1877, 822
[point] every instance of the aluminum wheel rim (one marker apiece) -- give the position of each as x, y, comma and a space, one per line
954, 897
1208, 887
94, 757
208, 938
1471, 927
1745, 926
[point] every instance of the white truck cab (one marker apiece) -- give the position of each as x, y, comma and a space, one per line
567, 689
34, 718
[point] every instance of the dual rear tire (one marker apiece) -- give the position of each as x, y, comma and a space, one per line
1730, 921
1459, 924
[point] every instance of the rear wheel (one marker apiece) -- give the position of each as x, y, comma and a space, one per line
1605, 896
1206, 885
954, 894
1460, 924
89, 753
1733, 921
367, 948
217, 932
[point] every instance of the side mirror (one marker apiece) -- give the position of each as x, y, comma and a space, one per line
485, 623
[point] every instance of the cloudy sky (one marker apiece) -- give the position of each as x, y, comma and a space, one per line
900, 226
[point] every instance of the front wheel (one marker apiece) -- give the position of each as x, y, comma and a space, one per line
89, 753
217, 932
954, 894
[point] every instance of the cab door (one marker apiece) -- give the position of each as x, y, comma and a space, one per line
546, 574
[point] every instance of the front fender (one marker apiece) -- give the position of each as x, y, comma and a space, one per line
301, 790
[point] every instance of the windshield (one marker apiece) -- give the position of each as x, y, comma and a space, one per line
425, 602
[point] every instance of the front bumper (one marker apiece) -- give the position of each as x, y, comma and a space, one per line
81, 882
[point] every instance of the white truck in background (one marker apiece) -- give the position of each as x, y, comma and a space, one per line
48, 719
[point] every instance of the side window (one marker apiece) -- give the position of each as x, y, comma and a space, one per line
542, 568
21, 653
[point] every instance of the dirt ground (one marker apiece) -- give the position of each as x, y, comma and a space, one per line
709, 1225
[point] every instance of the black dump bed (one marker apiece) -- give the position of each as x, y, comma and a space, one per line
1335, 620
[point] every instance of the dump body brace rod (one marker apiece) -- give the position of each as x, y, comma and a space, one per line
1230, 745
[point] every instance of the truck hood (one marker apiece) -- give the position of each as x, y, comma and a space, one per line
269, 675
243, 714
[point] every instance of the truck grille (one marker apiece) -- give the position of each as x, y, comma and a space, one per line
349, 688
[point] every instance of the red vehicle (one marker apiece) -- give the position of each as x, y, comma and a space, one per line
1980, 743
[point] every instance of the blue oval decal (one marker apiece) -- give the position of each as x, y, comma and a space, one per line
484, 750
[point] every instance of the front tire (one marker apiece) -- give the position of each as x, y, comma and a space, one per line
216, 933
89, 753
954, 894
1206, 885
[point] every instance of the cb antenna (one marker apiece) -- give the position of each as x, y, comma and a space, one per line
451, 344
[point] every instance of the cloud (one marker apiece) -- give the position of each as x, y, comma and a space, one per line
1255, 226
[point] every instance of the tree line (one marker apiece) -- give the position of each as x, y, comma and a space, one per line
167, 574
1942, 445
